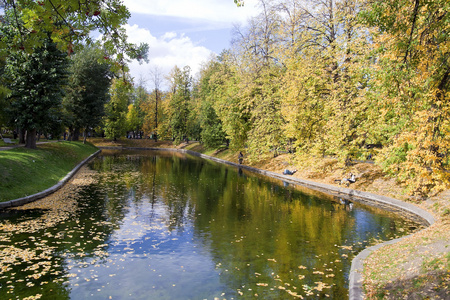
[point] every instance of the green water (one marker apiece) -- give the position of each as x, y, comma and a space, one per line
157, 225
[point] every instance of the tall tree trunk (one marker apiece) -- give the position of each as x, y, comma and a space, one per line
155, 136
21, 136
85, 136
31, 139
76, 134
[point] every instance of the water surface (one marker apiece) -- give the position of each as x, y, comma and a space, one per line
158, 225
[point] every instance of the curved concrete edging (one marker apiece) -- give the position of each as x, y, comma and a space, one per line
356, 291
31, 198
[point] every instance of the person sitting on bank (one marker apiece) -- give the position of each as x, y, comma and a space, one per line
352, 178
347, 181
288, 172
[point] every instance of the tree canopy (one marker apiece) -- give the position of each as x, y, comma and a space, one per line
350, 79
29, 27
116, 109
70, 24
87, 90
36, 81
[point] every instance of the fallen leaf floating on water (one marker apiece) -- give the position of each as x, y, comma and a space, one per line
262, 284
348, 247
318, 272
56, 209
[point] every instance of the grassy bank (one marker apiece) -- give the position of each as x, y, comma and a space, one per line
25, 172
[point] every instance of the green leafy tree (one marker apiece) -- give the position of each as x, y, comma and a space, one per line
69, 24
229, 103
164, 130
325, 56
87, 91
180, 103
116, 109
212, 134
4, 103
258, 72
134, 120
36, 82
266, 134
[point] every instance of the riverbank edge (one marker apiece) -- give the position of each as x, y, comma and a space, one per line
50, 190
356, 291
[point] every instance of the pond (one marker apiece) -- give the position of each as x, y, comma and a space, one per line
164, 225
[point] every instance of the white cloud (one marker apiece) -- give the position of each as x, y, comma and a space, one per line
185, 24
213, 11
165, 52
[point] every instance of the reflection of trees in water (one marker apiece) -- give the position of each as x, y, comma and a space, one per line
261, 233
258, 231
114, 178
153, 177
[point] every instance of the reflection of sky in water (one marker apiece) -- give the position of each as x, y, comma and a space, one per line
363, 223
148, 261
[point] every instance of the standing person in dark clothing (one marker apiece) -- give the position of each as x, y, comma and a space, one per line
240, 158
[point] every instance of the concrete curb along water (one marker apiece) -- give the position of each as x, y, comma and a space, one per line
31, 198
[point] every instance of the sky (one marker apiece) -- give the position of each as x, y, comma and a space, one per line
182, 32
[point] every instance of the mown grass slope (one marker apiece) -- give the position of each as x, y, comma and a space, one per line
25, 172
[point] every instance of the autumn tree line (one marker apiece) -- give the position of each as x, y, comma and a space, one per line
351, 79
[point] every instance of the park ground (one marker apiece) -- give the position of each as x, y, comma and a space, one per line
417, 267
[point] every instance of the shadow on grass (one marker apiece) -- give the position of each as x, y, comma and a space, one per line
432, 285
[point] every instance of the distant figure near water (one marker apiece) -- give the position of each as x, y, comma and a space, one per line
240, 157
347, 181
288, 172
352, 178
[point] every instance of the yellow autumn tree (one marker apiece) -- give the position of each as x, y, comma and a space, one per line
325, 52
411, 87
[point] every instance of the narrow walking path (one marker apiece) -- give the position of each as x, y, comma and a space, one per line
23, 145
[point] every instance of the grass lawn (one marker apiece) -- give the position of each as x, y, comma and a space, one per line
25, 171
